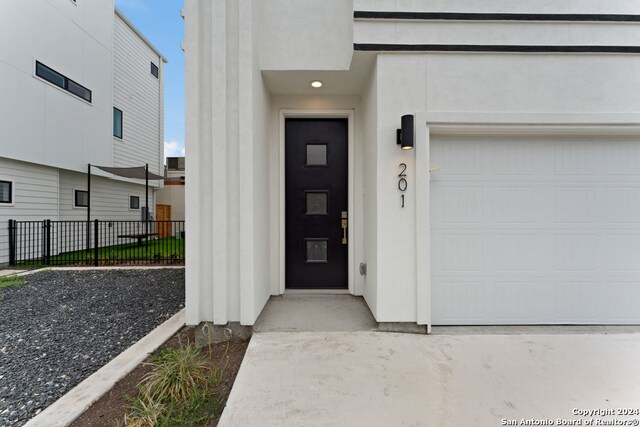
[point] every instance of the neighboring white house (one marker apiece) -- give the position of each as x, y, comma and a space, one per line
80, 84
519, 204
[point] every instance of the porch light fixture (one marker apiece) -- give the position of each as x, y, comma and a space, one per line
316, 84
404, 136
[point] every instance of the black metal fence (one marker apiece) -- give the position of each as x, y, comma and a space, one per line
99, 242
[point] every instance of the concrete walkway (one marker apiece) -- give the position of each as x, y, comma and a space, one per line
8, 272
315, 313
386, 379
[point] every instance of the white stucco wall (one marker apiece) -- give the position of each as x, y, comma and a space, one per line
401, 90
261, 111
227, 162
370, 191
471, 88
199, 298
517, 83
302, 28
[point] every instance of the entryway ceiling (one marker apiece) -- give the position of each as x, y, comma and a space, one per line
349, 82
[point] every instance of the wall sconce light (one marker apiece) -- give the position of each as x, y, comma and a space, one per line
404, 136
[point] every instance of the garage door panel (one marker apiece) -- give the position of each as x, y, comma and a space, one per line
517, 303
460, 253
574, 302
621, 159
512, 253
575, 159
576, 252
512, 204
622, 204
462, 161
513, 160
532, 230
462, 204
460, 302
469, 302
521, 301
576, 204
623, 253
622, 301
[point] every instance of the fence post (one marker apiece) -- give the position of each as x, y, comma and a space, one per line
12, 242
47, 242
95, 243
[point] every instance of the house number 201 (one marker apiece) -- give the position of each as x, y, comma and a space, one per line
402, 182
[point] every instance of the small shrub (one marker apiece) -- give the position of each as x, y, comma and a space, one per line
181, 390
144, 413
177, 372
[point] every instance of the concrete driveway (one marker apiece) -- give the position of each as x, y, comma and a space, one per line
386, 379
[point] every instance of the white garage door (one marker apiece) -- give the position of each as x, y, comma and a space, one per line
535, 230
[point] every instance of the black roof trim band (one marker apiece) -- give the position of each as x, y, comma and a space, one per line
371, 47
454, 16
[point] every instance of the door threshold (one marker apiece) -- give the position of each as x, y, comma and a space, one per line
316, 292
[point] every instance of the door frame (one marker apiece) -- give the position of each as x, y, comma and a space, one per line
317, 114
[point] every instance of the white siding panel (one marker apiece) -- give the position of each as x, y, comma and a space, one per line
35, 196
138, 94
109, 197
553, 241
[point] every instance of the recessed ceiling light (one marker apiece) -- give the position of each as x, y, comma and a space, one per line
316, 83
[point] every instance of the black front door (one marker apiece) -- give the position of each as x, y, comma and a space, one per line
316, 203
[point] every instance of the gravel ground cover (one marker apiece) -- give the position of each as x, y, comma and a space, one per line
61, 326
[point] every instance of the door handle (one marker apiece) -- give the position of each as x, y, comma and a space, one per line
344, 223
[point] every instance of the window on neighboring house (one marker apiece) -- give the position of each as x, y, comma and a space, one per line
81, 199
175, 163
154, 70
62, 81
6, 192
134, 202
117, 123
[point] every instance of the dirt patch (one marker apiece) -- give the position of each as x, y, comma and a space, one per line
110, 408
